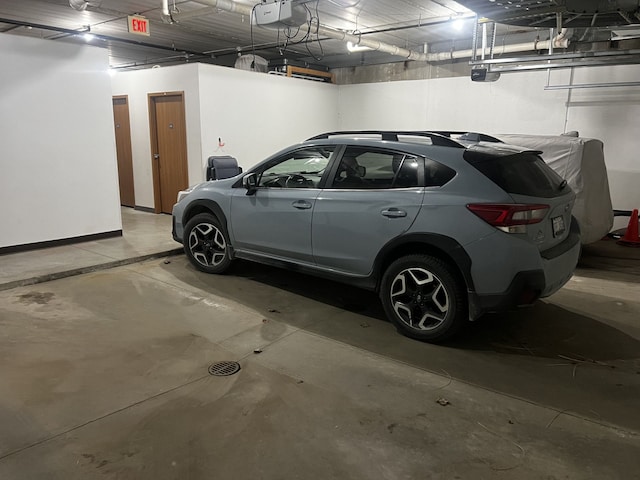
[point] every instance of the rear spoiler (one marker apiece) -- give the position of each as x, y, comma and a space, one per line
501, 149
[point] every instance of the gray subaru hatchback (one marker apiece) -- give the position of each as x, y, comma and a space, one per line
444, 231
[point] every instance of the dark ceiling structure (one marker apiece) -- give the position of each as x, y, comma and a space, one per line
546, 13
379, 31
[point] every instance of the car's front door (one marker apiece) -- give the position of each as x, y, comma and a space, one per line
373, 196
275, 220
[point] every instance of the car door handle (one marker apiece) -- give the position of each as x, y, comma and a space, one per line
301, 205
394, 213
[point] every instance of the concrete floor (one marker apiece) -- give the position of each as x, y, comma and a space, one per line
144, 236
104, 375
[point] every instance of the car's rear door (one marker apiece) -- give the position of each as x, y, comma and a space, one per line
372, 196
275, 221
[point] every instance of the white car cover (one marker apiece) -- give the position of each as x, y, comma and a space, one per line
580, 161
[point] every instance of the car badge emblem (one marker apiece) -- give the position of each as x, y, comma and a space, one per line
540, 236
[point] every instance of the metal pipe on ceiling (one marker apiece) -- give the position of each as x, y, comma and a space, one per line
423, 23
341, 35
566, 60
484, 40
100, 36
176, 17
567, 56
493, 39
514, 48
228, 6
474, 47
625, 16
372, 44
591, 85
233, 7
18, 23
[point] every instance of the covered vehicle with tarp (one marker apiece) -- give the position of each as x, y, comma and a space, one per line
580, 161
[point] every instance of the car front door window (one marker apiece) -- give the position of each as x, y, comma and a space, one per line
300, 169
275, 220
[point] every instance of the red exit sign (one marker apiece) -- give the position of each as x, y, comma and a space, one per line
139, 25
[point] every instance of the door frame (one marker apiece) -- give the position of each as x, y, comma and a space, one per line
153, 131
133, 186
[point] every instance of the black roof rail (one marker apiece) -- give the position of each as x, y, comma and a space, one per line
469, 136
392, 135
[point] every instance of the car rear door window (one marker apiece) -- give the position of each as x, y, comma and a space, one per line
362, 168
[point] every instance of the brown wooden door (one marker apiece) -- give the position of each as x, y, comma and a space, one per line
168, 148
123, 150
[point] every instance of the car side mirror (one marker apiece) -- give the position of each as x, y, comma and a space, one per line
250, 182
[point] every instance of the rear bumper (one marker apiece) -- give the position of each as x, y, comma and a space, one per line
560, 261
556, 268
525, 288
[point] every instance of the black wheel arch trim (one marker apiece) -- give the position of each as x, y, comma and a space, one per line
447, 245
210, 205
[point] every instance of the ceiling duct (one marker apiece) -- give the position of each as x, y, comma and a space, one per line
79, 5
234, 7
252, 63
241, 9
543, 13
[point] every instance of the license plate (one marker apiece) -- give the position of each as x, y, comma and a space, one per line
558, 226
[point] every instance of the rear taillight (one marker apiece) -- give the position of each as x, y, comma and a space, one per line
510, 217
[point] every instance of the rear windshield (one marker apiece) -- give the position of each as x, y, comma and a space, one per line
522, 173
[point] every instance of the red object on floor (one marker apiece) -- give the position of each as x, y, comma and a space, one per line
631, 238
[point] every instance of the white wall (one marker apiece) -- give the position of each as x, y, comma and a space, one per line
612, 115
516, 103
58, 170
253, 114
137, 84
451, 104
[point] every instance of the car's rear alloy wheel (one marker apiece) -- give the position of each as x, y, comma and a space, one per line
423, 298
206, 244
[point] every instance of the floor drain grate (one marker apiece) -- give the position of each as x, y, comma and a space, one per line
223, 369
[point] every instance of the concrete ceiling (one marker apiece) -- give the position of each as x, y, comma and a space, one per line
216, 35
547, 13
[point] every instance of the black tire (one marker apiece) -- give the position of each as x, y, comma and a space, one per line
206, 244
423, 298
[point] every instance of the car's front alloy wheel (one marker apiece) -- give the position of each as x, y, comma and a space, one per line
206, 244
423, 298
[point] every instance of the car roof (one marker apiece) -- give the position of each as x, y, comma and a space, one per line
420, 141
391, 136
